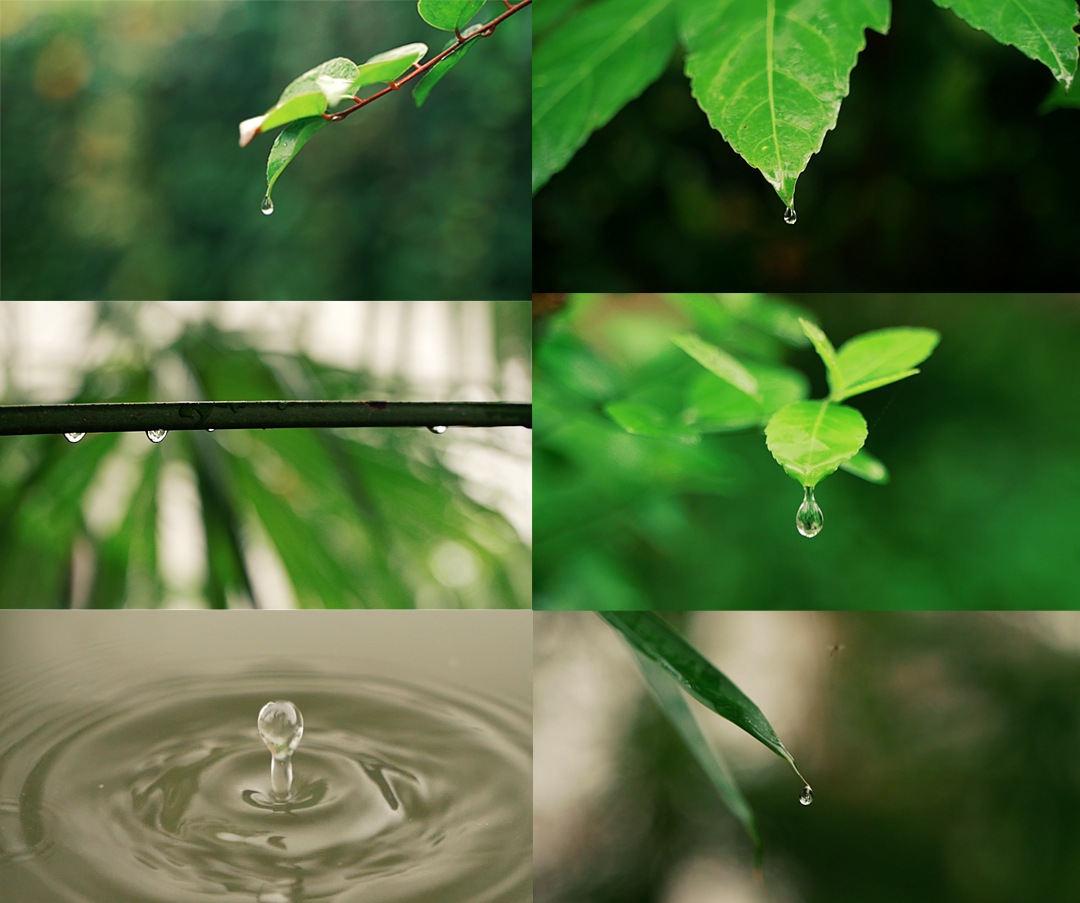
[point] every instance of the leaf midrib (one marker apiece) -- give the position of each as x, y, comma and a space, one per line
770, 17
607, 49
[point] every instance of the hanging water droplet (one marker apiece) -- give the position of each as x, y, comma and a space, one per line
156, 435
209, 429
807, 795
790, 216
809, 518
73, 437
281, 726
267, 206
437, 429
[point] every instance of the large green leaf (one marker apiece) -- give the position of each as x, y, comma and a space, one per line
881, 357
810, 439
435, 74
286, 146
719, 362
771, 74
651, 636
385, 67
1042, 29
448, 14
677, 711
588, 67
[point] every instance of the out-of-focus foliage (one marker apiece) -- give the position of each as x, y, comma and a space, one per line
942, 172
980, 511
357, 518
122, 178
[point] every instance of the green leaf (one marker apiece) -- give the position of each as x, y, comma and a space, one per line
288, 145
434, 75
645, 420
810, 439
677, 711
719, 362
826, 352
868, 467
385, 67
771, 74
716, 406
881, 357
587, 68
308, 95
651, 636
448, 14
1041, 29
549, 13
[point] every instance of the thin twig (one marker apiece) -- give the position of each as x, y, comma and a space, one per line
26, 420
482, 32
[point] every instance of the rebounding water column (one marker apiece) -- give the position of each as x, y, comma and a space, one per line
281, 726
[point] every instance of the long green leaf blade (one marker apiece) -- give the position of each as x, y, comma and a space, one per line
1041, 29
587, 69
811, 439
878, 358
385, 67
287, 145
771, 74
865, 465
826, 352
719, 362
307, 95
448, 14
677, 711
653, 638
435, 74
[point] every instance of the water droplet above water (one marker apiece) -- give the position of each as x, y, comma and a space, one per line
73, 437
807, 795
281, 726
790, 216
437, 429
267, 206
809, 518
156, 435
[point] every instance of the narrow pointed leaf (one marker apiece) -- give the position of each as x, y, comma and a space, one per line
881, 357
651, 636
645, 420
826, 352
287, 145
719, 362
448, 14
810, 439
714, 405
771, 74
435, 74
1041, 29
865, 465
385, 67
677, 711
585, 70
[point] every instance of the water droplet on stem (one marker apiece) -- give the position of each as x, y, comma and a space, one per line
437, 429
281, 726
267, 206
807, 795
809, 518
790, 216
73, 437
156, 436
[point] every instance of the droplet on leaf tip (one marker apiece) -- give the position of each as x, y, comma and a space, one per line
809, 519
267, 206
790, 216
807, 795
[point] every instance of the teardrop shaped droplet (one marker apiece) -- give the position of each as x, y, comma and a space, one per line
437, 429
790, 216
156, 435
267, 206
809, 518
73, 437
807, 795
281, 726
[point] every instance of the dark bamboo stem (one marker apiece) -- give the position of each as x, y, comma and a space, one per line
25, 420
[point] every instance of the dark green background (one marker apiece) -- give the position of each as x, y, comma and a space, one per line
123, 179
940, 174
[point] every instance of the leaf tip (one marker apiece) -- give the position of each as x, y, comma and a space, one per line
249, 128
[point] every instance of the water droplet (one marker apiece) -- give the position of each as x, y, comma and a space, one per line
267, 206
807, 795
809, 518
281, 726
73, 437
209, 429
790, 216
156, 435
437, 429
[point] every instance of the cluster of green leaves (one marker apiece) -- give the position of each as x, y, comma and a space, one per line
304, 101
769, 74
668, 662
356, 519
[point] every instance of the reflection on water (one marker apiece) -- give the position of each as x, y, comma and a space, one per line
402, 792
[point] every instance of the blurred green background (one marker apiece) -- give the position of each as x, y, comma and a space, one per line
122, 177
941, 748
942, 172
981, 445
275, 518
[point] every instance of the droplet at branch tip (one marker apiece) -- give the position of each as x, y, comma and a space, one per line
809, 519
156, 436
73, 437
437, 429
